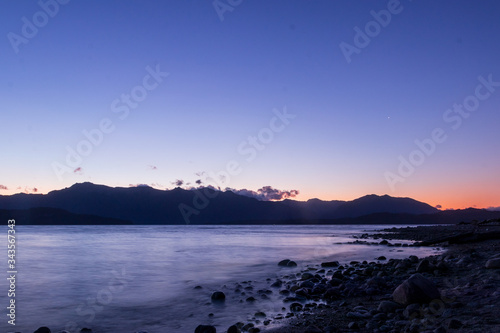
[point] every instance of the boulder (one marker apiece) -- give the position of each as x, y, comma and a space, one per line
330, 264
43, 330
218, 296
416, 289
205, 329
287, 263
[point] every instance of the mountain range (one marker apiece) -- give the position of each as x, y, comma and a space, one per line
99, 204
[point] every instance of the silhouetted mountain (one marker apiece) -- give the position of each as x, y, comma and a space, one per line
54, 216
145, 205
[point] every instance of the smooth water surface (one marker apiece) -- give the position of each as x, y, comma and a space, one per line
133, 278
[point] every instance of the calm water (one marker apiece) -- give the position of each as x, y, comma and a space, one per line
132, 278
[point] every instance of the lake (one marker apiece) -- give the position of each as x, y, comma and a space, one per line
143, 278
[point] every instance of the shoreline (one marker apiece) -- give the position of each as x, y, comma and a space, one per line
469, 292
357, 297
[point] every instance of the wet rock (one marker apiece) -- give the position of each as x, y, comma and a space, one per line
233, 329
493, 263
218, 296
416, 289
287, 263
205, 329
260, 314
440, 329
413, 259
247, 327
296, 307
254, 330
85, 330
43, 330
330, 264
381, 258
251, 299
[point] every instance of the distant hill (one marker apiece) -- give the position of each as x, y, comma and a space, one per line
145, 205
54, 216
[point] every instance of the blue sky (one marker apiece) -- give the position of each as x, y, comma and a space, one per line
353, 120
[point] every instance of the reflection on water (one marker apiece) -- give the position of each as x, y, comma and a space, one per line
132, 278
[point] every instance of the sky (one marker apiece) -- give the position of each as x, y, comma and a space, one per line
321, 99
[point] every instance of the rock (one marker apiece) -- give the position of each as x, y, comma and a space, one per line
247, 327
43, 330
388, 306
423, 266
413, 259
440, 329
330, 264
296, 307
454, 324
412, 311
306, 276
218, 296
198, 287
205, 329
416, 289
254, 330
287, 263
85, 330
284, 262
493, 263
251, 299
358, 315
260, 314
352, 325
381, 258
384, 242
233, 329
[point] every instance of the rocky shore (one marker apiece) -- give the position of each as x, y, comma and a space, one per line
457, 291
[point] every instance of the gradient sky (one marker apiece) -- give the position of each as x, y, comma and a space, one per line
229, 70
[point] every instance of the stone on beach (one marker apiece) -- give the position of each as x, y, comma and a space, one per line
330, 264
205, 329
218, 296
416, 289
287, 263
43, 330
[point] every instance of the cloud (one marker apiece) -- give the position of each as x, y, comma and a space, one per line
30, 190
138, 185
78, 170
266, 193
153, 167
3, 187
496, 209
439, 206
178, 182
199, 181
